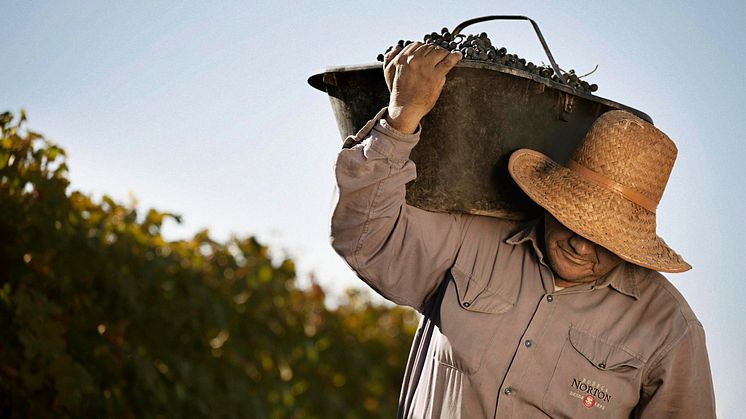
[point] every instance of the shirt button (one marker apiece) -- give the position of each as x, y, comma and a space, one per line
550, 298
602, 365
508, 391
467, 304
528, 343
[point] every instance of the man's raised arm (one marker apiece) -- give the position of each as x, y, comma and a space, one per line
400, 251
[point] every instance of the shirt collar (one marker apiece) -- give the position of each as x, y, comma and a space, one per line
623, 278
528, 232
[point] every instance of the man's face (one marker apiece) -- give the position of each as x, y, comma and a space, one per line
573, 259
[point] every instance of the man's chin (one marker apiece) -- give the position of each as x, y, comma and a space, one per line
576, 281
568, 274
573, 277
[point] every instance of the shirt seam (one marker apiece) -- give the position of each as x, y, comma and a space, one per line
667, 350
684, 315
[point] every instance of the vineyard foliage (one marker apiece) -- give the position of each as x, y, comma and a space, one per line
100, 316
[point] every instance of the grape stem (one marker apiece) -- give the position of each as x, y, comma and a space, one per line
588, 74
580, 77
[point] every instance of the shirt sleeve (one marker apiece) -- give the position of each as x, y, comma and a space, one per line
401, 251
679, 384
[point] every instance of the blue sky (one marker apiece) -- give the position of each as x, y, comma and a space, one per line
202, 108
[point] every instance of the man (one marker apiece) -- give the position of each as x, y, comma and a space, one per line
564, 317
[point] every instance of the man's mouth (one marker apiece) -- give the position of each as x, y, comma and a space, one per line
573, 257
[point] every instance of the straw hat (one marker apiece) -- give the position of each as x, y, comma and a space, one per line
610, 188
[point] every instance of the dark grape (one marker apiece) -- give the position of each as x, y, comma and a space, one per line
480, 48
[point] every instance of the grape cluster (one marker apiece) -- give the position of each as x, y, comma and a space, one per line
480, 48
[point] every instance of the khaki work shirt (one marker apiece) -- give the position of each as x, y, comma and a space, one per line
496, 340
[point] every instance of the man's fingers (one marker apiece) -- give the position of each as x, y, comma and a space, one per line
407, 52
391, 54
420, 50
415, 49
411, 47
447, 63
435, 54
427, 49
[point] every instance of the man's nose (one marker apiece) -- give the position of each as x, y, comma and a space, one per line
582, 245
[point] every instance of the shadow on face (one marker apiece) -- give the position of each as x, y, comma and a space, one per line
573, 258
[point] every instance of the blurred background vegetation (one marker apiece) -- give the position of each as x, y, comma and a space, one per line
101, 317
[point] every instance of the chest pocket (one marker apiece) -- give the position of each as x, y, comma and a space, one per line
593, 378
469, 316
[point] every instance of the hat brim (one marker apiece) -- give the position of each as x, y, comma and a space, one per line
598, 214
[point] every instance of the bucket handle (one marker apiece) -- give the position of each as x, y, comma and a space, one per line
466, 23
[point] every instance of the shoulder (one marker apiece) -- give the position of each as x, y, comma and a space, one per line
657, 291
488, 237
664, 317
664, 314
495, 229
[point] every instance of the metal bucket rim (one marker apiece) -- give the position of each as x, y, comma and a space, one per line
317, 81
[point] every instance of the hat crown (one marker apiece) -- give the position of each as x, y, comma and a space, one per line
629, 151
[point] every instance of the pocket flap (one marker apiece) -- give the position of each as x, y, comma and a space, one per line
602, 354
472, 294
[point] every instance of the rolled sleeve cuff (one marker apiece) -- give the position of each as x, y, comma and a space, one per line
388, 141
385, 139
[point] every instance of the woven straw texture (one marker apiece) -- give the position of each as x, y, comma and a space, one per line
626, 150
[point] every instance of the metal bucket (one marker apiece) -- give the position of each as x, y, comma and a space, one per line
485, 112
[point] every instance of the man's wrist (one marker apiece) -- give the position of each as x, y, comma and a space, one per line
402, 120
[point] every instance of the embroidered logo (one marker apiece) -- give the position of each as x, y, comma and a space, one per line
590, 393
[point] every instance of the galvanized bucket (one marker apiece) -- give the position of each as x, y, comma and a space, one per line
485, 112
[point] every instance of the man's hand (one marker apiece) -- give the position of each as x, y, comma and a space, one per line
415, 76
